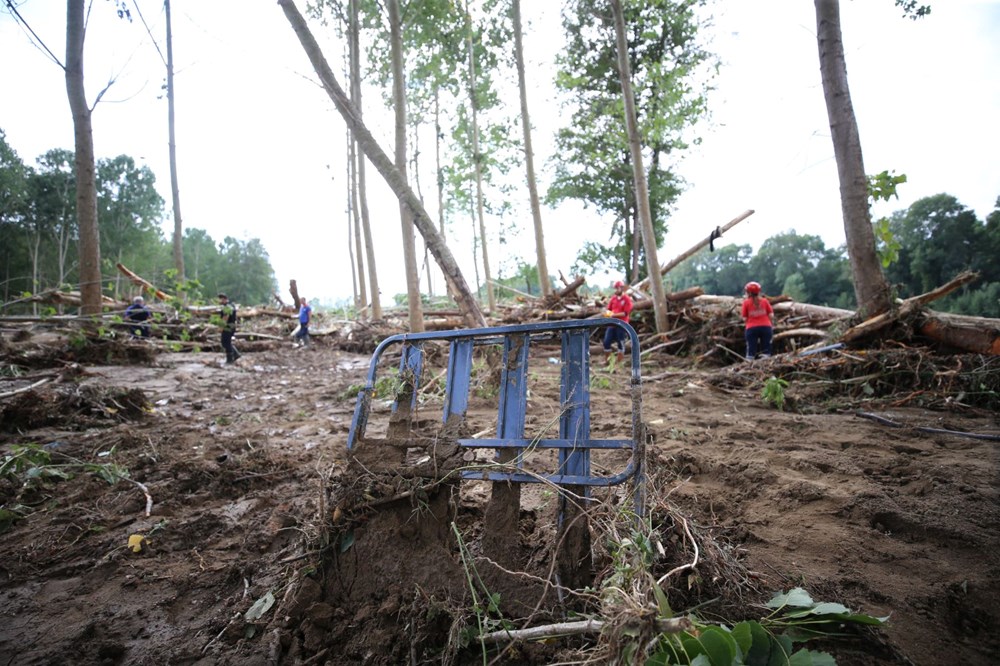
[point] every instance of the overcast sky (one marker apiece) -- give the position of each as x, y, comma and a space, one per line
261, 149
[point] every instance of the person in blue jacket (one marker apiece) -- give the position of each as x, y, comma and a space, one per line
305, 316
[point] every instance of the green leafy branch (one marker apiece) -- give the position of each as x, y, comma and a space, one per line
773, 392
882, 187
31, 466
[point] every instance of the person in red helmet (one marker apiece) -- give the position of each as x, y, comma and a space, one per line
619, 307
759, 317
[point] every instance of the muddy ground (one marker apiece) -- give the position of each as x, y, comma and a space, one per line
264, 545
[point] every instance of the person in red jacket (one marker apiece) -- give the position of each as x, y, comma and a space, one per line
759, 317
619, 307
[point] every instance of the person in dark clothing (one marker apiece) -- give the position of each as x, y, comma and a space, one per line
228, 315
137, 316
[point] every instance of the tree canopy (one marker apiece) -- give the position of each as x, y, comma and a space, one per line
669, 73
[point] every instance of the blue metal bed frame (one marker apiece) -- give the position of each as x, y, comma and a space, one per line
574, 443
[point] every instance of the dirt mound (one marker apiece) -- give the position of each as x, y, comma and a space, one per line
266, 543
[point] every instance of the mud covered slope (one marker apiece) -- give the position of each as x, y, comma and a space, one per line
250, 555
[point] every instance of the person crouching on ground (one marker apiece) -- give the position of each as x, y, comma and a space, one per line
759, 317
137, 315
619, 307
305, 316
228, 314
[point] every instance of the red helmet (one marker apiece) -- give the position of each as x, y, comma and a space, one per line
752, 288
619, 283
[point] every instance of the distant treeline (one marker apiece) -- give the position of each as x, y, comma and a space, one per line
927, 245
38, 234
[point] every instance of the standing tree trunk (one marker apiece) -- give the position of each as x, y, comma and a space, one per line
86, 177
529, 159
478, 164
466, 301
352, 205
362, 186
870, 286
639, 174
437, 167
415, 308
175, 192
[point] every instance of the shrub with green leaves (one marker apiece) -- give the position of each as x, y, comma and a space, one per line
794, 619
31, 466
773, 392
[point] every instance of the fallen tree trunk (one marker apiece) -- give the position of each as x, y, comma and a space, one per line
973, 334
675, 297
568, 290
685, 294
146, 285
906, 308
717, 233
443, 323
67, 298
799, 333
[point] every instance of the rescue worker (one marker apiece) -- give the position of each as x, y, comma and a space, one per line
228, 314
619, 307
759, 317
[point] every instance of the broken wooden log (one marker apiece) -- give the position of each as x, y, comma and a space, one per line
716, 233
675, 297
569, 289
800, 333
65, 298
973, 334
146, 285
906, 308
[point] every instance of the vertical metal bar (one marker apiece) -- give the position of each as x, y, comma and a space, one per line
513, 389
360, 420
574, 399
411, 364
573, 561
456, 397
504, 508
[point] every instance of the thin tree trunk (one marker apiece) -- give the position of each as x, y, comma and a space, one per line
440, 175
376, 309
415, 166
477, 161
175, 192
634, 236
466, 302
415, 307
64, 239
641, 189
475, 245
529, 159
86, 177
34, 266
352, 168
870, 286
353, 237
